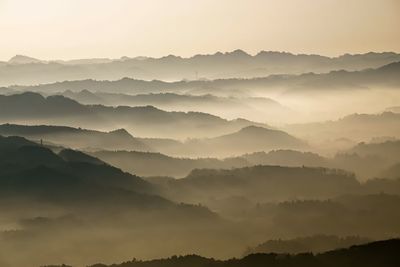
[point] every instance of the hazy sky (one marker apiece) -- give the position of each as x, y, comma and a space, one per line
66, 29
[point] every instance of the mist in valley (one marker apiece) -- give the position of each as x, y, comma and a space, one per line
247, 152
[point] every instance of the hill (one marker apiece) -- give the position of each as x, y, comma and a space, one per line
358, 127
258, 184
75, 137
142, 163
29, 164
314, 244
33, 108
375, 254
246, 140
231, 107
20, 59
74, 200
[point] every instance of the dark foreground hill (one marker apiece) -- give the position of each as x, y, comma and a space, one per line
376, 254
68, 202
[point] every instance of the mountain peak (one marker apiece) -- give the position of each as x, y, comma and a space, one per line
253, 129
238, 52
21, 59
121, 132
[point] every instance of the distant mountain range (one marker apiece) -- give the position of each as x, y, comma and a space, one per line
141, 163
237, 64
33, 108
359, 127
247, 147
386, 76
246, 140
252, 108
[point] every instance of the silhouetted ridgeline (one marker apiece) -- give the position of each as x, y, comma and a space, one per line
384, 76
246, 140
146, 121
314, 244
259, 183
75, 137
142, 163
356, 126
252, 108
376, 254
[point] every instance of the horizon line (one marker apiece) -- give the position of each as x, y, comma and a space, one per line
201, 54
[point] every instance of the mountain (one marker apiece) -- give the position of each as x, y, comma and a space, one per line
386, 76
236, 64
365, 167
389, 149
25, 163
33, 108
314, 244
246, 140
375, 254
284, 157
358, 127
75, 137
257, 184
252, 108
75, 201
392, 172
20, 59
372, 216
142, 163
395, 109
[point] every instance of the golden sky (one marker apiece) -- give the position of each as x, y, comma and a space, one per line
66, 29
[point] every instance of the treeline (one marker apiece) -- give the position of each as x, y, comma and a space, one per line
376, 254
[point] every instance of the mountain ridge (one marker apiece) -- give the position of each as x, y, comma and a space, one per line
220, 65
